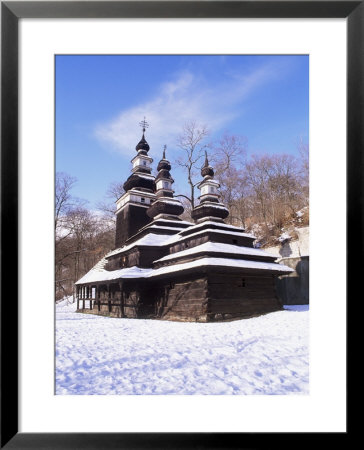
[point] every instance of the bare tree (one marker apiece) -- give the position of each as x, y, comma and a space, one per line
303, 149
228, 159
277, 193
107, 206
229, 152
82, 237
257, 172
64, 200
192, 143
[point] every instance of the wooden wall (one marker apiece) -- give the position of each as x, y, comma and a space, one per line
184, 300
204, 297
240, 295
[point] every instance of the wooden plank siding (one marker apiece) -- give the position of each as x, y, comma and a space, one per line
211, 295
184, 300
241, 295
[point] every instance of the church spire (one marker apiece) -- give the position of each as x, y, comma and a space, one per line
141, 177
210, 206
131, 207
143, 146
207, 170
165, 203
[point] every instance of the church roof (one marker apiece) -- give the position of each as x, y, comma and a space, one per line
99, 275
142, 144
218, 247
208, 254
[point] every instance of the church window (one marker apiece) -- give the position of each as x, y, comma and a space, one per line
142, 200
241, 283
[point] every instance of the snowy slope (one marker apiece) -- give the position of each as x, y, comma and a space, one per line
102, 355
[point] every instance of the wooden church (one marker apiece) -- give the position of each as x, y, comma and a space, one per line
166, 268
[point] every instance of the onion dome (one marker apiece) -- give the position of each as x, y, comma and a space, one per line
165, 204
207, 170
164, 164
142, 145
138, 181
164, 173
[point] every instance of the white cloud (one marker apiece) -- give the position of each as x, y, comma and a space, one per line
187, 97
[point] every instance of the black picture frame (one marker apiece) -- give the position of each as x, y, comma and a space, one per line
11, 12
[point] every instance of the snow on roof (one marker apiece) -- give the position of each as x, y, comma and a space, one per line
97, 275
211, 205
212, 222
156, 219
179, 237
137, 191
210, 181
148, 239
164, 239
144, 175
94, 276
218, 247
162, 227
169, 200
220, 262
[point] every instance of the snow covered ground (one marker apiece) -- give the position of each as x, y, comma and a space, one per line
262, 355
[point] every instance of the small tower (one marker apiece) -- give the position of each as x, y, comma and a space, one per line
131, 207
164, 205
210, 207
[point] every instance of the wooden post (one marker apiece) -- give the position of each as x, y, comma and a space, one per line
91, 298
121, 299
84, 296
98, 298
78, 296
109, 297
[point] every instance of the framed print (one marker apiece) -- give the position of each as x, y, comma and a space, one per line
43, 45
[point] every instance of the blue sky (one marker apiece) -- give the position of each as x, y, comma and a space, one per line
100, 101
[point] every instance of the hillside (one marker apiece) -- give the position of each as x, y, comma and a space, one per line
295, 227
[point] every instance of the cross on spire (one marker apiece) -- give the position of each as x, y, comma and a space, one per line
164, 151
206, 160
144, 124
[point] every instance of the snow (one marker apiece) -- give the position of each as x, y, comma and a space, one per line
225, 262
149, 239
211, 205
284, 237
162, 227
98, 273
264, 355
180, 237
168, 200
211, 222
144, 175
157, 219
217, 247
